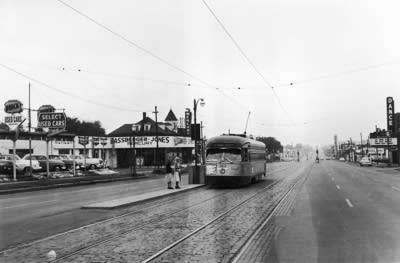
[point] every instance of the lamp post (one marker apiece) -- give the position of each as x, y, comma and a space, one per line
195, 103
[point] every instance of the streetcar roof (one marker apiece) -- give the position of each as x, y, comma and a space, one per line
229, 141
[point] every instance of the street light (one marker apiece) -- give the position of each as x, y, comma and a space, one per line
195, 103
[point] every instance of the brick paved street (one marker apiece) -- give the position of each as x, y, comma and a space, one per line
168, 218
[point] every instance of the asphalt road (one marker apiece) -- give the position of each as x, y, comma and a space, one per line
29, 216
343, 213
340, 213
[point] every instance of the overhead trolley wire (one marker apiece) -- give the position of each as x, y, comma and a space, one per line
268, 84
340, 73
125, 39
67, 93
146, 51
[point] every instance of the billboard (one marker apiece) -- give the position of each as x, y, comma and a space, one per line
13, 119
13, 106
53, 120
188, 121
383, 141
390, 114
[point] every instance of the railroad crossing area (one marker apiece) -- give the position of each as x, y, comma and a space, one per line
196, 223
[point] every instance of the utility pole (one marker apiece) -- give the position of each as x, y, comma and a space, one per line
29, 130
362, 149
156, 155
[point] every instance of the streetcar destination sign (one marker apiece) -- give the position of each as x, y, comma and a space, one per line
54, 120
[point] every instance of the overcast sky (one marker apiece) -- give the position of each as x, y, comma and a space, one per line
355, 44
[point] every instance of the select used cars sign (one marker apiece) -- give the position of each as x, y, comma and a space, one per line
53, 120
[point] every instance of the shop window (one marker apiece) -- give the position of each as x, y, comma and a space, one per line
64, 151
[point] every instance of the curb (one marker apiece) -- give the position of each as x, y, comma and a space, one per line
78, 183
147, 199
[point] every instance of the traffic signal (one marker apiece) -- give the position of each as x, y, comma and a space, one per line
195, 131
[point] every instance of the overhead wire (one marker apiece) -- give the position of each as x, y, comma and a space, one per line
146, 51
68, 93
125, 39
267, 83
340, 73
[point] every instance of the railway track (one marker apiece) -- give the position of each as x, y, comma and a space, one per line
109, 238
166, 216
253, 236
236, 207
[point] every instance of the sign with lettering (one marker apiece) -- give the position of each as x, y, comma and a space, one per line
54, 120
390, 114
383, 141
103, 141
13, 119
13, 106
127, 142
83, 140
95, 141
150, 141
188, 121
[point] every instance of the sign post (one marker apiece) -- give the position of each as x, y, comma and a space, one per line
84, 140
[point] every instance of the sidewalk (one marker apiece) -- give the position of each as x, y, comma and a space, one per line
34, 185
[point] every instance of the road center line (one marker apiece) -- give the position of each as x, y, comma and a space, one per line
349, 203
338, 187
396, 188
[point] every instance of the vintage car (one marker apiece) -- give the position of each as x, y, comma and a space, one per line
22, 165
54, 164
91, 163
68, 161
6, 166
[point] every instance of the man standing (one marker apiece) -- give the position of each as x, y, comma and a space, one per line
177, 171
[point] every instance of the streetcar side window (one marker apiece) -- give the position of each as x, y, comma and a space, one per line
245, 155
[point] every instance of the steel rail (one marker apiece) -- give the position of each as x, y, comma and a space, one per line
128, 230
153, 204
240, 204
247, 243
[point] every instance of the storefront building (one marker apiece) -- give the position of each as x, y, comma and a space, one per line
119, 146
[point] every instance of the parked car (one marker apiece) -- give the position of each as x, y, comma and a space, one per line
91, 163
68, 161
22, 165
54, 164
342, 159
6, 166
365, 161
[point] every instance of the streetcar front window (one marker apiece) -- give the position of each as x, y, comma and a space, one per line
224, 155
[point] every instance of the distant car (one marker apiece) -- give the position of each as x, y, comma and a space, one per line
91, 163
22, 166
342, 159
55, 164
365, 161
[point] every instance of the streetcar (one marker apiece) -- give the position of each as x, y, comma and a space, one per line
234, 159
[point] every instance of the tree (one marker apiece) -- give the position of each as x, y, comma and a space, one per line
85, 128
272, 144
